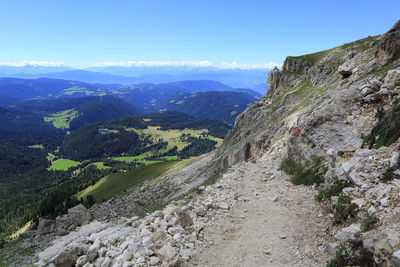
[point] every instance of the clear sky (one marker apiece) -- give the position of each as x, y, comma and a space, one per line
242, 31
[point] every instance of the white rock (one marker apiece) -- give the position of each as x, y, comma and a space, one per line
92, 253
177, 236
81, 261
348, 233
223, 206
167, 253
128, 264
359, 202
372, 210
145, 232
141, 260
154, 261
366, 91
267, 251
331, 152
176, 230
147, 243
128, 255
394, 160
396, 258
384, 201
383, 91
347, 166
330, 247
186, 253
363, 153
102, 252
106, 262
393, 77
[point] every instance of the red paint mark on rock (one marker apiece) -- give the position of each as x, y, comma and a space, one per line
296, 131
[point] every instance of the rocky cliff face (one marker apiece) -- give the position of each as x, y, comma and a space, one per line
389, 46
333, 98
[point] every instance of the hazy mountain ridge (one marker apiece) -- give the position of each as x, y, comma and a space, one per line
244, 78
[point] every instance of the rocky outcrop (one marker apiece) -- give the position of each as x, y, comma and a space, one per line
389, 46
76, 217
376, 90
293, 64
273, 79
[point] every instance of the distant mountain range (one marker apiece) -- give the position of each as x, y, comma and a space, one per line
47, 96
244, 78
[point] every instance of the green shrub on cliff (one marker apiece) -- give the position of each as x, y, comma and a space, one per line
386, 131
308, 174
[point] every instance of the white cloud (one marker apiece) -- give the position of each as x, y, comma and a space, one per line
33, 63
235, 65
204, 63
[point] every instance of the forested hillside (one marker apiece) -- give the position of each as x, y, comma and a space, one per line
73, 113
38, 160
222, 106
154, 135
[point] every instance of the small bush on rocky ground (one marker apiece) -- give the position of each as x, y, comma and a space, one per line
386, 131
214, 177
351, 254
291, 167
335, 190
344, 209
368, 223
150, 208
340, 258
388, 176
308, 174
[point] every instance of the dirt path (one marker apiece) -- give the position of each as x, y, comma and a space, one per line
274, 224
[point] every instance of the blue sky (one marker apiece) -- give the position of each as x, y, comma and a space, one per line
220, 31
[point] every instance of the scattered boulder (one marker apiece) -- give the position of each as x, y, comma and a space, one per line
394, 160
330, 247
69, 255
396, 258
383, 244
366, 91
348, 233
46, 226
375, 84
80, 214
392, 78
184, 219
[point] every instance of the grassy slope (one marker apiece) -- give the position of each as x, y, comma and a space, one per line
115, 183
100, 165
360, 45
63, 164
62, 119
39, 146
